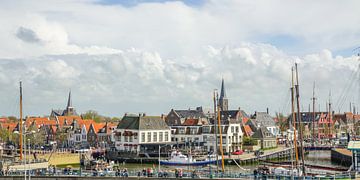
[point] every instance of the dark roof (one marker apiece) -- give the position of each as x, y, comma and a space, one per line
263, 118
190, 113
222, 93
142, 123
307, 117
262, 133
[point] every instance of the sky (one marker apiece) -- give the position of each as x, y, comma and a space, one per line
153, 56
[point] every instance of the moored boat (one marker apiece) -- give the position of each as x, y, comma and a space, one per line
179, 159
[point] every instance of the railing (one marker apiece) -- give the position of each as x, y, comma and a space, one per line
197, 175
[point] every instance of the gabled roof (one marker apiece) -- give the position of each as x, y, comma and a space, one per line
142, 123
263, 118
248, 130
191, 122
190, 113
39, 121
233, 115
262, 133
68, 119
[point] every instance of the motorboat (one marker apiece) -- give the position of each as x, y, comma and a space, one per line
179, 159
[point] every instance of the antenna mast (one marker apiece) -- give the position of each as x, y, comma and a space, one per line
293, 118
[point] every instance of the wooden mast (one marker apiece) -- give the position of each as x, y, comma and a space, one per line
221, 146
313, 120
293, 118
21, 125
299, 119
215, 132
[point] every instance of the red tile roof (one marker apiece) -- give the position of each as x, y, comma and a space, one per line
191, 122
248, 130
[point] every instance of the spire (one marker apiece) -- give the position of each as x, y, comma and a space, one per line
69, 104
223, 101
222, 93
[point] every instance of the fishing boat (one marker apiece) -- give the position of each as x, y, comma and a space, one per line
179, 159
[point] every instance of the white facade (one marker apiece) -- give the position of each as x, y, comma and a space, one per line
75, 138
231, 137
186, 134
130, 140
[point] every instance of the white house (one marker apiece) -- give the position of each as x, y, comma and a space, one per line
231, 137
141, 134
264, 119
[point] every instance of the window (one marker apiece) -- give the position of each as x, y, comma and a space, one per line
130, 139
193, 130
160, 136
83, 136
182, 139
166, 136
118, 137
126, 138
205, 138
142, 137
232, 129
181, 131
206, 129
196, 139
149, 137
154, 136
237, 129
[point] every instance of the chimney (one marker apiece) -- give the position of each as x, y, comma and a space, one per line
239, 108
267, 110
139, 114
144, 114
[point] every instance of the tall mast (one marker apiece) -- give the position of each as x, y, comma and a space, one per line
313, 119
330, 116
215, 131
21, 124
221, 146
293, 117
299, 119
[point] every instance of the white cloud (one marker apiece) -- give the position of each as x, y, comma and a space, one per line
135, 80
155, 56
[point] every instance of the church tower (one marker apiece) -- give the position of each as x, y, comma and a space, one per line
69, 109
223, 101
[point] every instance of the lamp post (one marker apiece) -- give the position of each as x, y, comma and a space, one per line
159, 169
29, 159
24, 142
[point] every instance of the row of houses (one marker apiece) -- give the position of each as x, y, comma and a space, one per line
67, 131
183, 128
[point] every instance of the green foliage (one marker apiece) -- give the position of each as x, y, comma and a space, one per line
12, 119
91, 114
248, 141
36, 137
282, 122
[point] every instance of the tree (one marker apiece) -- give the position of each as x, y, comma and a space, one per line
91, 114
4, 135
248, 141
282, 122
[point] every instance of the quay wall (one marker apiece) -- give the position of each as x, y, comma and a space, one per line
341, 156
90, 177
279, 155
